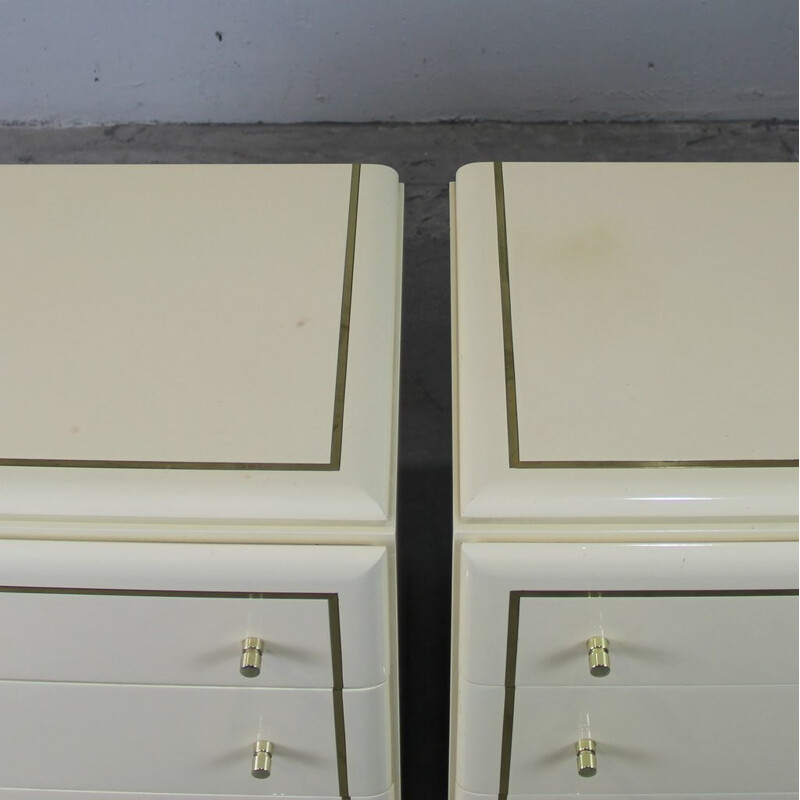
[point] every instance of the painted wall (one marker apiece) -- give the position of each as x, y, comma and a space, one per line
67, 62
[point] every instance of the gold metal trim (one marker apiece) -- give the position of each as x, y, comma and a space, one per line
344, 317
339, 393
505, 307
334, 626
338, 698
196, 465
512, 422
512, 643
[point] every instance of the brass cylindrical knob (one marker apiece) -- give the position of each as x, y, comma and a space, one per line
262, 759
587, 760
599, 660
252, 648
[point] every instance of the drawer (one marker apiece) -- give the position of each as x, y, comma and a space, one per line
712, 614
671, 740
668, 639
177, 614
193, 740
166, 638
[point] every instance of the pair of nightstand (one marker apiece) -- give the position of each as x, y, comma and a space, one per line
197, 481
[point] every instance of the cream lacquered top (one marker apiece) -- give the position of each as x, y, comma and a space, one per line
627, 340
198, 340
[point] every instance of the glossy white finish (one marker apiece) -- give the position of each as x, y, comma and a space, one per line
669, 321
167, 317
633, 494
682, 740
368, 718
163, 639
660, 640
193, 640
705, 639
256, 361
189, 740
635, 292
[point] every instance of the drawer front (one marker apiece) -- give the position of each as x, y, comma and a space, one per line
678, 740
192, 740
178, 614
717, 614
661, 640
165, 639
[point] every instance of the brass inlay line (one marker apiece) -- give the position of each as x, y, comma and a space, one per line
339, 392
505, 307
512, 643
338, 698
344, 325
334, 626
512, 419
722, 463
168, 593
665, 593
510, 693
121, 464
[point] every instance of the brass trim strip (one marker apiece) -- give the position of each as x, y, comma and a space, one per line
665, 593
334, 626
338, 698
717, 463
339, 392
198, 465
512, 643
344, 324
168, 593
512, 420
505, 307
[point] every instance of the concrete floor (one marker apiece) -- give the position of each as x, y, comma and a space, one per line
426, 157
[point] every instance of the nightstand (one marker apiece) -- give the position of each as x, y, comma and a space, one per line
197, 481
625, 513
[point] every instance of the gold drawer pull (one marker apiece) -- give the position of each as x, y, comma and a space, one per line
587, 760
252, 648
599, 661
262, 759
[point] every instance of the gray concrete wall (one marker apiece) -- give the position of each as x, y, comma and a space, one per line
81, 62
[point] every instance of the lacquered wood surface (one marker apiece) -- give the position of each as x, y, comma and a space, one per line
203, 341
714, 614
683, 740
195, 740
624, 341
